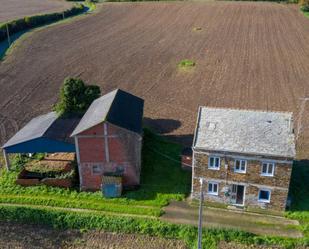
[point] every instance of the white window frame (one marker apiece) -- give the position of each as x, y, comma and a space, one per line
214, 158
99, 168
264, 200
212, 192
267, 167
240, 162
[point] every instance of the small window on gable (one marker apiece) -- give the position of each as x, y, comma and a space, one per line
240, 166
214, 163
96, 170
268, 169
213, 188
264, 195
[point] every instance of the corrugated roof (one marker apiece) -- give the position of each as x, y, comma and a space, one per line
245, 131
48, 126
117, 107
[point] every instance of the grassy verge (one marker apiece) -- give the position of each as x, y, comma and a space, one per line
161, 181
78, 220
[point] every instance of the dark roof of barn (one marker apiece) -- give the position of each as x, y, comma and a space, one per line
47, 126
117, 107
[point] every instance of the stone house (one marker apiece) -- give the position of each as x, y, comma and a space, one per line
109, 138
243, 157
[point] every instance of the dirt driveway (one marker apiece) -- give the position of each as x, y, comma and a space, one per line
182, 213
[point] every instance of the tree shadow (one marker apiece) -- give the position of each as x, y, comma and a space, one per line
299, 186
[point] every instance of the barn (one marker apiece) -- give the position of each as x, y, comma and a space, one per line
43, 134
109, 139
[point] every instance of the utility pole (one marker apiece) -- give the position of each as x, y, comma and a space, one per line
63, 14
200, 218
8, 34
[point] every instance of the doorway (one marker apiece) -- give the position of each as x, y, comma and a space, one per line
238, 194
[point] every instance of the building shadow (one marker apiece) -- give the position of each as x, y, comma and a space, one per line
161, 125
299, 186
166, 126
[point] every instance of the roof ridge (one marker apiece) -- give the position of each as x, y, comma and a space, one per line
246, 109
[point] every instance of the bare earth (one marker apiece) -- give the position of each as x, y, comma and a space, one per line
249, 55
22, 236
12, 9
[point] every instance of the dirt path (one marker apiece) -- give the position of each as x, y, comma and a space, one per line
13, 9
182, 213
248, 55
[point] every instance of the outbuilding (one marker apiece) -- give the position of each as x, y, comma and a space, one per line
109, 139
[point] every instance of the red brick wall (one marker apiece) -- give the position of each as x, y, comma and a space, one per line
92, 152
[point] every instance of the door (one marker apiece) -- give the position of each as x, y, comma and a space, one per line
240, 195
237, 195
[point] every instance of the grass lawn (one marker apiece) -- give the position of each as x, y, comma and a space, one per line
162, 180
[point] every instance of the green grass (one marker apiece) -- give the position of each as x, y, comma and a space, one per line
186, 63
162, 180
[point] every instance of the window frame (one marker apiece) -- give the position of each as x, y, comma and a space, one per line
267, 169
212, 192
99, 169
240, 161
264, 200
212, 167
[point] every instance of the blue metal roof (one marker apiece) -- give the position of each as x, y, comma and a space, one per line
45, 133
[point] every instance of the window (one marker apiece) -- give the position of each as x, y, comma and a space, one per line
264, 195
268, 169
213, 188
96, 170
214, 162
240, 166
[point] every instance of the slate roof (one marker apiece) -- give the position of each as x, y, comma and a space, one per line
48, 126
245, 131
117, 107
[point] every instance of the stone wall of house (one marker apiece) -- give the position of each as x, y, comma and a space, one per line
252, 179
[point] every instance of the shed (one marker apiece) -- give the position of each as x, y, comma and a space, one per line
43, 134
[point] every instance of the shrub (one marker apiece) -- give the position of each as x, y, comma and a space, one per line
76, 97
304, 5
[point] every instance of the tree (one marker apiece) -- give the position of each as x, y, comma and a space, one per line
75, 97
304, 5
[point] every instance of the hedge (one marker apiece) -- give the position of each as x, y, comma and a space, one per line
153, 227
25, 23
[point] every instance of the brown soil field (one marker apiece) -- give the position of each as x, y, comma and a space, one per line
23, 236
248, 55
12, 9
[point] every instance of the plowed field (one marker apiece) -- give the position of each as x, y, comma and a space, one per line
12, 9
248, 55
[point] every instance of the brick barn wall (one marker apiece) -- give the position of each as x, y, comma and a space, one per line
278, 184
124, 149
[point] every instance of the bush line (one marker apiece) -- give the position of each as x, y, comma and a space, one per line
78, 220
26, 23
